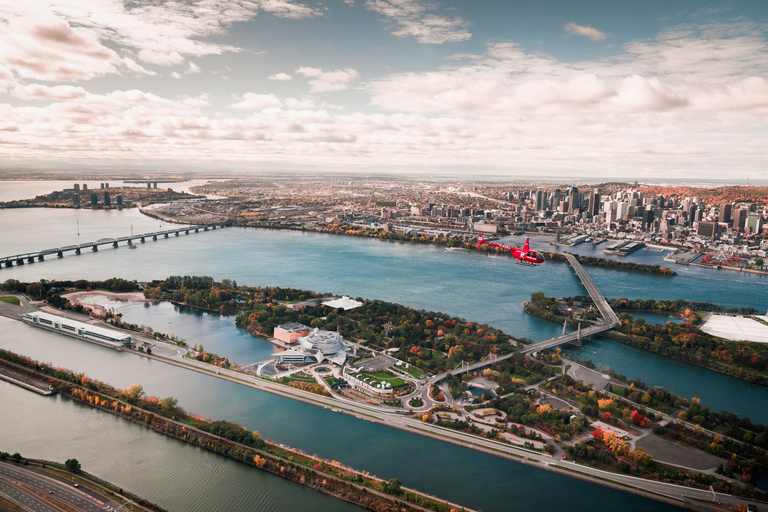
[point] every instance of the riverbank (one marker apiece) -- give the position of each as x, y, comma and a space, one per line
232, 441
683, 342
355, 231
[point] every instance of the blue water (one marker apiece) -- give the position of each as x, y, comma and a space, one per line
475, 286
217, 333
487, 482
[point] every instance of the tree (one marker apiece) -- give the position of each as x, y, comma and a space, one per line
169, 403
72, 465
392, 487
16, 457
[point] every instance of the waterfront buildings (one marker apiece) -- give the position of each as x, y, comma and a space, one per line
316, 347
291, 332
344, 303
78, 329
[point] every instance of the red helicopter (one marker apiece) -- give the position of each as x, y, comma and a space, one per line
524, 254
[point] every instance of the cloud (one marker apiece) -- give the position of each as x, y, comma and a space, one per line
159, 33
299, 103
323, 81
581, 30
412, 19
193, 69
49, 48
44, 92
253, 101
281, 76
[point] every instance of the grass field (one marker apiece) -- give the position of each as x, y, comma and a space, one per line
384, 377
10, 300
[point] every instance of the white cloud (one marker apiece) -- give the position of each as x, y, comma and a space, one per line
193, 69
44, 92
581, 30
281, 77
253, 101
299, 103
323, 81
413, 20
49, 48
160, 33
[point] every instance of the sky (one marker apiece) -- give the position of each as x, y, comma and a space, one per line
468, 87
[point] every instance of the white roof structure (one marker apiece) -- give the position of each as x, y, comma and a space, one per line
318, 346
343, 303
736, 328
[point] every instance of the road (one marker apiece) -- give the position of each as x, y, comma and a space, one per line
24, 484
174, 355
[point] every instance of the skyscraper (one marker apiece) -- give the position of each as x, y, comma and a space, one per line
725, 213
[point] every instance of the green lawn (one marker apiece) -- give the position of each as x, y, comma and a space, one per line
10, 300
413, 371
618, 390
384, 377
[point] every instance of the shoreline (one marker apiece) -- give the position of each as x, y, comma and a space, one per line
534, 459
159, 424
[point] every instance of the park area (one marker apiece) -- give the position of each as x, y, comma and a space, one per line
382, 377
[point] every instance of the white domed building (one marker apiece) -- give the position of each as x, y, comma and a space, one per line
316, 347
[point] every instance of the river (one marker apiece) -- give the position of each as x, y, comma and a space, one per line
458, 474
475, 286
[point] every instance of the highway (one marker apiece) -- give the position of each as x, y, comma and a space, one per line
37, 491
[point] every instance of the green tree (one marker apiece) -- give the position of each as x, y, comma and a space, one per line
72, 465
169, 404
16, 457
392, 487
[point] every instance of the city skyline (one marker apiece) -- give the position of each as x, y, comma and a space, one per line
383, 86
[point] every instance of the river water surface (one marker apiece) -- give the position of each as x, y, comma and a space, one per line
475, 286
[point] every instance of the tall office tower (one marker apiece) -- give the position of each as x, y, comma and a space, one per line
595, 202
725, 213
107, 201
573, 198
77, 186
94, 200
739, 219
76, 199
755, 222
539, 200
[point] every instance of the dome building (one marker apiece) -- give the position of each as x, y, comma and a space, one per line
316, 347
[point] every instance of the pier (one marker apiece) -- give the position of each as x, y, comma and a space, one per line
32, 257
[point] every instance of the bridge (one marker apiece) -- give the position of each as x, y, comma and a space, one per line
31, 257
606, 323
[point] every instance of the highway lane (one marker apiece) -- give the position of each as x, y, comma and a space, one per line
13, 491
82, 499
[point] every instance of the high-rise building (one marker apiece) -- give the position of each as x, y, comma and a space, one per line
594, 204
739, 219
119, 200
85, 186
94, 200
107, 201
725, 213
754, 222
77, 186
76, 199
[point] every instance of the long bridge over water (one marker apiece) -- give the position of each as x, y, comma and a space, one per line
31, 257
606, 323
